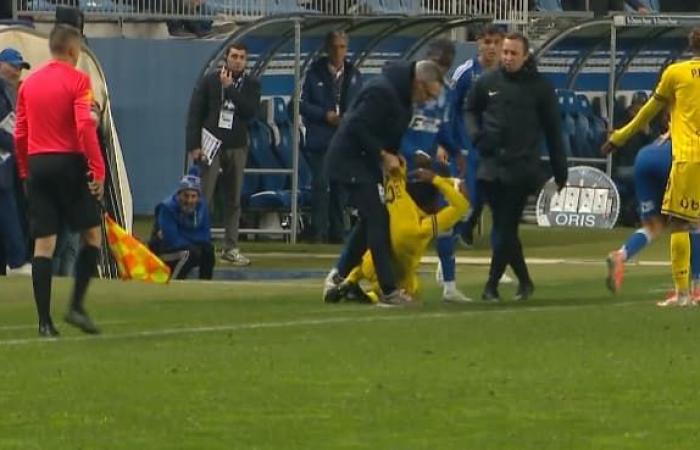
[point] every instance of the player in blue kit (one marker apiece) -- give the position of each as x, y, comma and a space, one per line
489, 41
651, 170
433, 133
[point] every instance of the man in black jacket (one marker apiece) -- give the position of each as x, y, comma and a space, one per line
507, 112
223, 103
330, 84
366, 142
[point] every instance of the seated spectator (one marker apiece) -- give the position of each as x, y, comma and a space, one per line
181, 235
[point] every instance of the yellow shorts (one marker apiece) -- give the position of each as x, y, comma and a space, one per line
682, 196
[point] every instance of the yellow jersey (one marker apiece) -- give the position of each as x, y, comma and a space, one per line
679, 87
411, 230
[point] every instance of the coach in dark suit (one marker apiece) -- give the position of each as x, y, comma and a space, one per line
366, 143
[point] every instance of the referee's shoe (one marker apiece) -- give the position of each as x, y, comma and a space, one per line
81, 320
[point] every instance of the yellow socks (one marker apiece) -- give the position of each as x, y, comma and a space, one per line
680, 261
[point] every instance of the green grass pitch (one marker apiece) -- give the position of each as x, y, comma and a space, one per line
250, 365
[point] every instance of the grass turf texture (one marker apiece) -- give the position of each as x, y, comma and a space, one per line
267, 366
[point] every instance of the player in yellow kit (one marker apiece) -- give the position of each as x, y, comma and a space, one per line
412, 228
679, 89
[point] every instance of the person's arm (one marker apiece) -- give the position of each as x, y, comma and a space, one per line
548, 110
447, 217
21, 135
474, 107
663, 94
87, 129
172, 239
196, 114
371, 108
307, 107
247, 99
446, 137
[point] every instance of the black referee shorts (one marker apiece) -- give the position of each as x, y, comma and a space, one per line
58, 193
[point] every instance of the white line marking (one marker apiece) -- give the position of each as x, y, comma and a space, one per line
301, 322
33, 326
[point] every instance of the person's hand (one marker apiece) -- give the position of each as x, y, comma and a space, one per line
442, 156
608, 148
97, 188
333, 118
225, 77
392, 163
421, 176
560, 182
196, 154
643, 10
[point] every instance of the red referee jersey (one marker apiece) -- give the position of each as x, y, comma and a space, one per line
53, 116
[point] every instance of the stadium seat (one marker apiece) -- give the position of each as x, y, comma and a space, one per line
583, 137
393, 6
93, 6
548, 5
568, 125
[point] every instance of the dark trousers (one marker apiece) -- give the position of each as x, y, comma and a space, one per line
370, 231
327, 201
181, 262
507, 203
12, 237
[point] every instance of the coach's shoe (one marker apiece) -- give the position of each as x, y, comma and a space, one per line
490, 294
525, 291
616, 271
47, 330
234, 256
453, 295
398, 297
81, 320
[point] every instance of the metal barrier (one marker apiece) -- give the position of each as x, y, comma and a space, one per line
503, 11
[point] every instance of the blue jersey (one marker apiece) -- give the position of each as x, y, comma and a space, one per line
651, 168
464, 77
432, 124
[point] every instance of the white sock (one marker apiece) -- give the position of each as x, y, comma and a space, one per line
449, 286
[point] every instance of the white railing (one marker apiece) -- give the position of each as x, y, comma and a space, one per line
503, 11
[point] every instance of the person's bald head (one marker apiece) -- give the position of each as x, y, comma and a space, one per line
65, 43
427, 81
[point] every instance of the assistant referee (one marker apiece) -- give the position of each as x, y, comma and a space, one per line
59, 158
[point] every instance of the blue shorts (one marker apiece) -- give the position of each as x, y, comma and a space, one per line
651, 168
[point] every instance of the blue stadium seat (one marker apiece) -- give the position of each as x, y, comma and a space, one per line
97, 6
583, 137
568, 125
548, 5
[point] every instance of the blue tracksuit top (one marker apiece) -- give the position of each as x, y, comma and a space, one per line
464, 77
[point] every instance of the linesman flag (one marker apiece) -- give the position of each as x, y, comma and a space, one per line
134, 260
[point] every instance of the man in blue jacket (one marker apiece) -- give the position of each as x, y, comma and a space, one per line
13, 252
181, 236
329, 87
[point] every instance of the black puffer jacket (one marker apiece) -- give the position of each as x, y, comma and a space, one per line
507, 115
376, 121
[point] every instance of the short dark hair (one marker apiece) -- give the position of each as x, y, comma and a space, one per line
515, 36
490, 30
331, 36
694, 40
441, 51
238, 46
61, 37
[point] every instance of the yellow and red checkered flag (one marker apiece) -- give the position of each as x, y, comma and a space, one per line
134, 260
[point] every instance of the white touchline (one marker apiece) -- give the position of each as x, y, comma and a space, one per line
302, 322
30, 327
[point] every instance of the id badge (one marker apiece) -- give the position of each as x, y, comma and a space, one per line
226, 119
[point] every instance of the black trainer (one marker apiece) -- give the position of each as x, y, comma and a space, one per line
525, 291
490, 294
47, 330
81, 320
355, 294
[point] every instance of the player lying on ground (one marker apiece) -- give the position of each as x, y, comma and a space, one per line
679, 90
412, 228
651, 169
